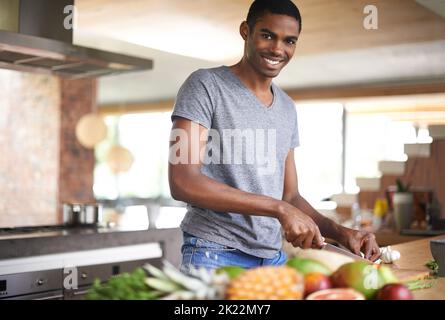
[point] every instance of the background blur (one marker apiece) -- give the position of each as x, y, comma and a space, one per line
369, 89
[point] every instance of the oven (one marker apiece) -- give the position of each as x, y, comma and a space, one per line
28, 278
87, 274
38, 285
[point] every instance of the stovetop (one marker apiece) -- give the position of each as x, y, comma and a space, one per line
48, 230
61, 230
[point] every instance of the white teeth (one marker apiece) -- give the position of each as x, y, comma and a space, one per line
271, 61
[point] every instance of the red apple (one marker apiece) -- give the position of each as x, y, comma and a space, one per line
394, 291
315, 281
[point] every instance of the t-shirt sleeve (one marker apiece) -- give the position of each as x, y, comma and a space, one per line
193, 101
295, 139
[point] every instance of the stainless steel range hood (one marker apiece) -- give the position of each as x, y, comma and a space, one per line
33, 39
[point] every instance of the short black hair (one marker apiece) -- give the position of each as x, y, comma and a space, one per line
260, 7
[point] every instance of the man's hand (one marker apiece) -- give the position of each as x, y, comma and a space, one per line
361, 241
299, 229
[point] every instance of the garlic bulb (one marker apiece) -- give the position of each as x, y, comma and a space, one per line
388, 255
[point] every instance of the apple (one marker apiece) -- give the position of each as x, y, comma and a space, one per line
316, 281
394, 291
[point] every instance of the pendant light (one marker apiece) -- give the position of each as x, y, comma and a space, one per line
119, 159
91, 129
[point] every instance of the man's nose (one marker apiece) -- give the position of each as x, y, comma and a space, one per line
277, 48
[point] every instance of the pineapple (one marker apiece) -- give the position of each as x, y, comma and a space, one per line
267, 283
174, 285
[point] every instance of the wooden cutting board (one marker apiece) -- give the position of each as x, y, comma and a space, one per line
405, 275
403, 269
413, 256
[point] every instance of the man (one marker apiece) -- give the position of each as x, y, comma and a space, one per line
237, 211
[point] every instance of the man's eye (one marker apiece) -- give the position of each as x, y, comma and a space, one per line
266, 36
291, 42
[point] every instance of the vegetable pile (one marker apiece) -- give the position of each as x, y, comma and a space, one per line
126, 286
314, 275
433, 266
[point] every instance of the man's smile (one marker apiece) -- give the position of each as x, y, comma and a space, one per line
272, 61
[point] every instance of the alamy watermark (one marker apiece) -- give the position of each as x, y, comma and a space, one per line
70, 21
371, 21
257, 147
371, 278
70, 278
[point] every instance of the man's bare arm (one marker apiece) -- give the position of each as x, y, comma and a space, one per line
356, 241
291, 194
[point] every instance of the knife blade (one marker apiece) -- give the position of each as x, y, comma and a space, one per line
332, 248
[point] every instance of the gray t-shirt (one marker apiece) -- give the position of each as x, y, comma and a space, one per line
247, 148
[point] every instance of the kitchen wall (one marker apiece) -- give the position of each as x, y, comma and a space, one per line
41, 164
76, 163
426, 173
429, 172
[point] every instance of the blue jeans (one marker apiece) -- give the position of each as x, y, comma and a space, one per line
198, 253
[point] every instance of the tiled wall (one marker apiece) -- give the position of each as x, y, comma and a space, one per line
76, 162
29, 148
37, 151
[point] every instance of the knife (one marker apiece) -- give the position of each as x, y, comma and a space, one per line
332, 248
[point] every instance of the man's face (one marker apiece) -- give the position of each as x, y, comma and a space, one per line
271, 43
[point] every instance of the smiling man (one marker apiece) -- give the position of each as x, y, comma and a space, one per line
238, 211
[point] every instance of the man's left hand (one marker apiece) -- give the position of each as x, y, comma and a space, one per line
361, 241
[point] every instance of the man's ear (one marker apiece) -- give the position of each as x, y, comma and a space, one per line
244, 30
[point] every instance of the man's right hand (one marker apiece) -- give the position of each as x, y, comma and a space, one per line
299, 229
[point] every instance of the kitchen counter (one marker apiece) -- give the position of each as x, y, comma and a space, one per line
390, 238
78, 239
414, 255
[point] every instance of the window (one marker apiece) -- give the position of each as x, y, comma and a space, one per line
319, 159
146, 136
319, 156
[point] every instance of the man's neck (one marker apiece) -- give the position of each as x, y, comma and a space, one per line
251, 77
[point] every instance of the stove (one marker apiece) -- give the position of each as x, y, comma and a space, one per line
38, 231
43, 277
51, 284
46, 277
30, 229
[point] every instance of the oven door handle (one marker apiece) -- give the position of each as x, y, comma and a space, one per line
52, 297
80, 292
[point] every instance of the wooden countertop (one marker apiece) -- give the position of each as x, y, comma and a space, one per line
414, 255
390, 237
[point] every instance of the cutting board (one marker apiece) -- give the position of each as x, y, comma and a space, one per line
410, 267
402, 273
413, 256
405, 275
